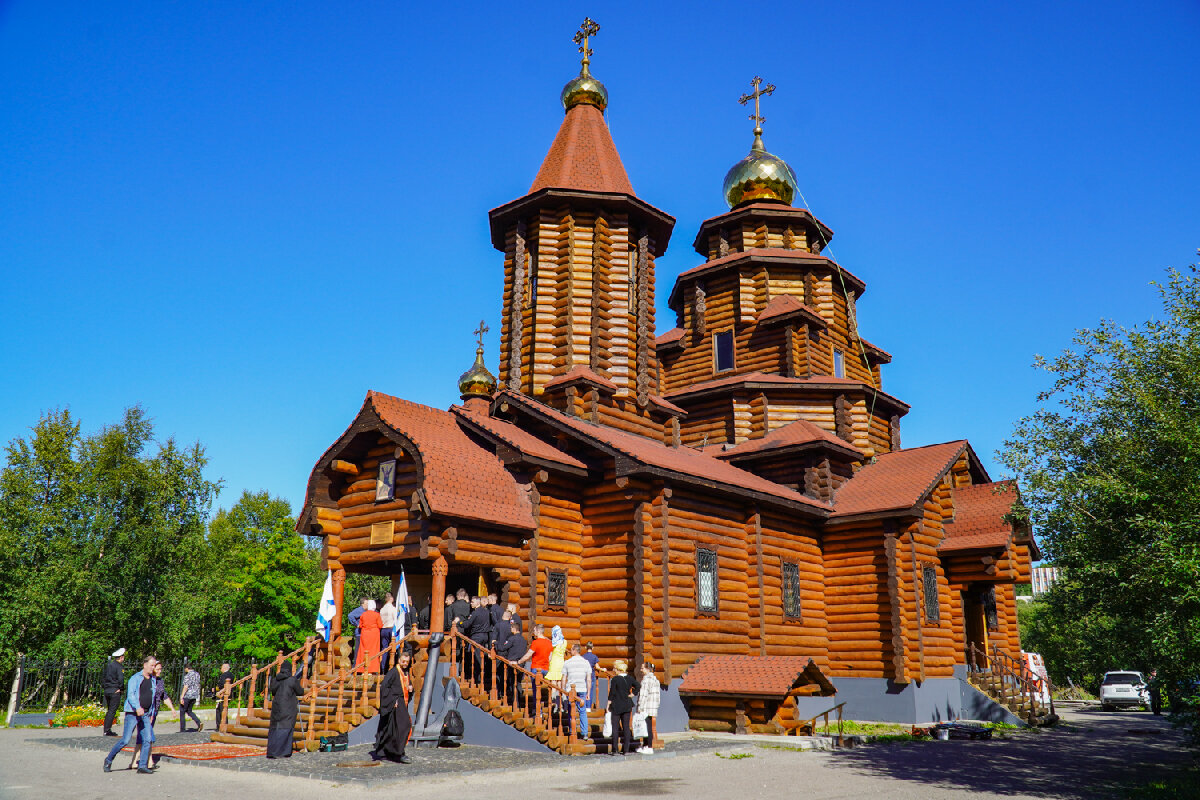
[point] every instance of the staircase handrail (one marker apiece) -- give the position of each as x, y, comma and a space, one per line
359, 694
542, 713
225, 693
1016, 682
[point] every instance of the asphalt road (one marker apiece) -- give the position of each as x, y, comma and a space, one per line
1085, 757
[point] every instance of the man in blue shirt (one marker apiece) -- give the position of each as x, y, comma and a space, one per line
139, 695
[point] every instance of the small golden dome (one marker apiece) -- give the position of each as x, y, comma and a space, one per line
760, 177
584, 89
478, 381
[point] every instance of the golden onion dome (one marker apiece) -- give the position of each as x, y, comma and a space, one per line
478, 381
584, 89
760, 177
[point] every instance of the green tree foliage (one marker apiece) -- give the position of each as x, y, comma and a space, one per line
268, 580
1109, 465
92, 530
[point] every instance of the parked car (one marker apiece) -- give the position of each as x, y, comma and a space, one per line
1123, 690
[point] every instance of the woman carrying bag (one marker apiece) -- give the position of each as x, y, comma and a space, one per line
621, 689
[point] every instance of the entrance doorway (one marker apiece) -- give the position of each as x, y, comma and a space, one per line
975, 627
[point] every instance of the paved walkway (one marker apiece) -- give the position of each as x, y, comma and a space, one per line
1083, 758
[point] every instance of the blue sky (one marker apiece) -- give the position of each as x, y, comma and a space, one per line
245, 215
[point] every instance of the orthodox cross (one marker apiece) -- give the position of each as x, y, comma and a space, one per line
757, 118
480, 331
588, 28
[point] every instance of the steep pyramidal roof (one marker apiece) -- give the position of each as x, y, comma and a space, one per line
583, 156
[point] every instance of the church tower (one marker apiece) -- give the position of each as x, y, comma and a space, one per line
579, 249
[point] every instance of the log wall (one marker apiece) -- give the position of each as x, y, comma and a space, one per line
858, 608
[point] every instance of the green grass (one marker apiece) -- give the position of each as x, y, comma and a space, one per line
736, 755
1179, 787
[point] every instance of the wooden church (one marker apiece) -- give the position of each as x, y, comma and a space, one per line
734, 486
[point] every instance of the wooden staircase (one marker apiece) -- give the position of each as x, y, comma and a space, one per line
540, 715
337, 697
1006, 681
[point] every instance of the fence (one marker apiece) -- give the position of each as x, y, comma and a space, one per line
47, 684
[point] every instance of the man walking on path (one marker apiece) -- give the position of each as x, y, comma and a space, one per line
137, 707
188, 698
114, 679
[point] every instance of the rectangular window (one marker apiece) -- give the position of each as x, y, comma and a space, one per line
791, 589
929, 589
556, 588
723, 350
385, 484
989, 609
706, 581
839, 364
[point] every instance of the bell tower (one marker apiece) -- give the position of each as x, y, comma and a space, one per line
579, 250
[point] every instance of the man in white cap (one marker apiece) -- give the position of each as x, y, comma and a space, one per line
114, 679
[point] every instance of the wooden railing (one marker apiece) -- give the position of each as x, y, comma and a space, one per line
352, 690
549, 709
1015, 686
247, 689
812, 723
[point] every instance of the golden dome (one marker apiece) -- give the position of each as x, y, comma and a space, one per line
584, 89
478, 381
760, 177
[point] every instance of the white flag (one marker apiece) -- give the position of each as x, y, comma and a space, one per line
327, 610
402, 608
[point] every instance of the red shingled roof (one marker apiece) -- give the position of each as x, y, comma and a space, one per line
581, 374
583, 156
516, 438
763, 379
763, 676
670, 337
763, 254
897, 481
979, 516
683, 461
461, 479
785, 305
794, 434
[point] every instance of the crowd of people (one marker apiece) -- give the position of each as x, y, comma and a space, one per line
568, 670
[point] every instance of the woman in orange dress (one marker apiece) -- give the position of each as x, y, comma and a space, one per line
369, 625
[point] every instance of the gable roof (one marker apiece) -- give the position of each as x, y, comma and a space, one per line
979, 512
583, 156
520, 440
785, 306
679, 462
671, 337
794, 434
897, 481
460, 479
759, 676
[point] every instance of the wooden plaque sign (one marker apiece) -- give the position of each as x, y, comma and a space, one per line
381, 532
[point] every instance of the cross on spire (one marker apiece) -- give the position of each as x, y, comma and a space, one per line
757, 118
588, 28
480, 331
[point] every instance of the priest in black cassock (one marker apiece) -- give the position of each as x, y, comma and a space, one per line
285, 704
395, 724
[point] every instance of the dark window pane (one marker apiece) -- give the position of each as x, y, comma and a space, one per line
791, 589
723, 346
989, 609
556, 588
929, 589
706, 580
839, 364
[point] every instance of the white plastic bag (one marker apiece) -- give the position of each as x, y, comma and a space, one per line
639, 726
606, 731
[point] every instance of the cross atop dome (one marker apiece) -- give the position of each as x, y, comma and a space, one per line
760, 176
584, 89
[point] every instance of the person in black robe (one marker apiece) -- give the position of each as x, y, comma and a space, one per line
514, 647
285, 704
395, 724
